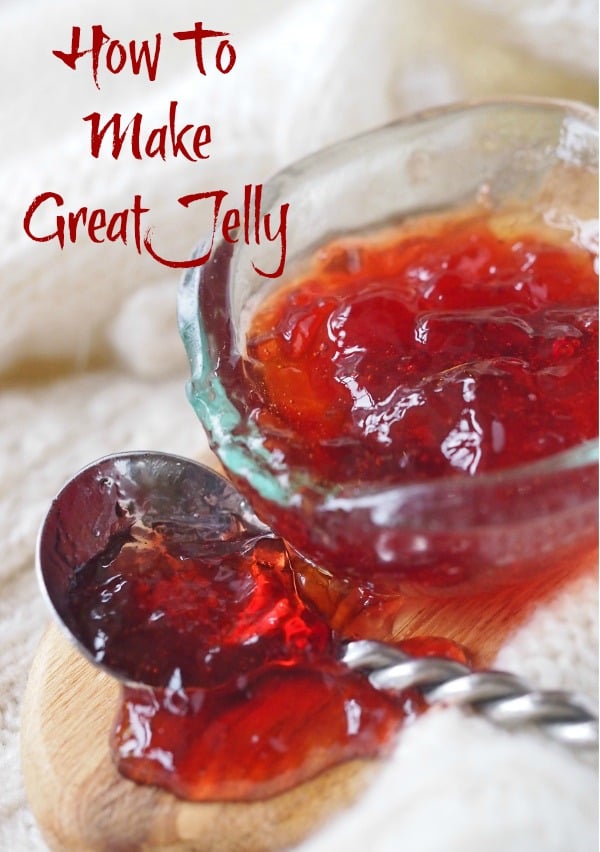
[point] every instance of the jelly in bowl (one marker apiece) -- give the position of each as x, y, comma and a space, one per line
413, 404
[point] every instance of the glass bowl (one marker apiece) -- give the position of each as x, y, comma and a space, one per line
450, 535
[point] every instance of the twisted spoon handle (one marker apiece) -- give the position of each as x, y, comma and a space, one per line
503, 698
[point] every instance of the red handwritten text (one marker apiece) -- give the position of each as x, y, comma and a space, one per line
225, 55
113, 53
160, 141
247, 224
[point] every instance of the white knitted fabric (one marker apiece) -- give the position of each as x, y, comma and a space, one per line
90, 361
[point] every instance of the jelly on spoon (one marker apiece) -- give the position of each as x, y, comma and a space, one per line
163, 577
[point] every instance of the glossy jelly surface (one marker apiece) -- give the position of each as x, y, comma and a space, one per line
275, 729
168, 607
456, 348
236, 689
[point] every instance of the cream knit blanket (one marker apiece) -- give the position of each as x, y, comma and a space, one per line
90, 361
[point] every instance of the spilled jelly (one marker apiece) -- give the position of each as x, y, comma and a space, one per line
234, 688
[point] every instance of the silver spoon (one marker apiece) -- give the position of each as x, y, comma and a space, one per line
103, 501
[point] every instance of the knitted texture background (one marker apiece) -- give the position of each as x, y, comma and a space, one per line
91, 363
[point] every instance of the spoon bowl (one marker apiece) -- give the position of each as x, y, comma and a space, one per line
96, 509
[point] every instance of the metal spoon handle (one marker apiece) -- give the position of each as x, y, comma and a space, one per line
501, 697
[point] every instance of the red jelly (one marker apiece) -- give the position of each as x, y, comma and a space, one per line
455, 349
241, 693
276, 728
450, 349
171, 607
